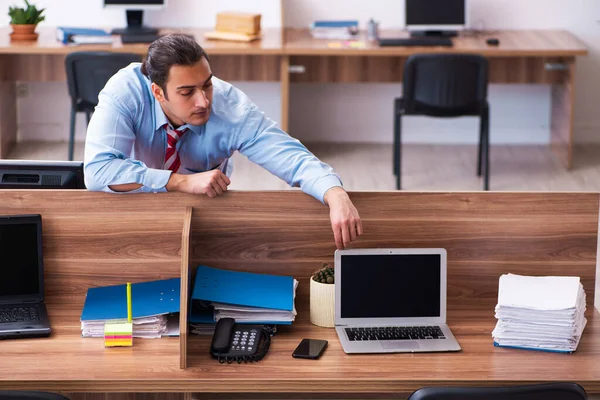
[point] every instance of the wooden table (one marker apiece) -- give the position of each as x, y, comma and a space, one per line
96, 239
541, 57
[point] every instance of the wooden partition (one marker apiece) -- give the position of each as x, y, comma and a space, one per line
485, 234
93, 239
90, 240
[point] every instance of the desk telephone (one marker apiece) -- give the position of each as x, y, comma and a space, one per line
240, 342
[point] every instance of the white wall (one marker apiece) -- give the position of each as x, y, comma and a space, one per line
520, 113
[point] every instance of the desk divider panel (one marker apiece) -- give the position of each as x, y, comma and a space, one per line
485, 234
93, 239
90, 240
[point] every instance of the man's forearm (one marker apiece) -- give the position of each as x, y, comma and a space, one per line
173, 185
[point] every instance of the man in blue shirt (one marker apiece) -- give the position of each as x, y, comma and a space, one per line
169, 125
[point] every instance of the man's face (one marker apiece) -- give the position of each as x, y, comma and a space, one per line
189, 94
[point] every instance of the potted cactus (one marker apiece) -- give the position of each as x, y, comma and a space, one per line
322, 296
24, 20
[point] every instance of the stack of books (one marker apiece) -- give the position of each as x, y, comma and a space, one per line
334, 30
247, 297
540, 313
155, 308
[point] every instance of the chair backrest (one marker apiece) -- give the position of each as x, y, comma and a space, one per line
27, 395
445, 84
549, 391
88, 72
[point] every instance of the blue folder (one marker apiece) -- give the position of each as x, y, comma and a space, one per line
534, 349
147, 299
65, 34
239, 288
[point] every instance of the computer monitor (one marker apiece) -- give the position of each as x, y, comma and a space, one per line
435, 17
134, 10
28, 174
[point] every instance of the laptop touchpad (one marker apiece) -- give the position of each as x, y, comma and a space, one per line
399, 344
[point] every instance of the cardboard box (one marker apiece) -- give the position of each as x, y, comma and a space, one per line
238, 22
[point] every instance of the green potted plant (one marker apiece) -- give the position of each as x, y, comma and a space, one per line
322, 296
24, 20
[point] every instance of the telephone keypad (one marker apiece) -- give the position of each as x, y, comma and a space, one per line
242, 342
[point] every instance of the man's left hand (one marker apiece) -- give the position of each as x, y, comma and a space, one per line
345, 221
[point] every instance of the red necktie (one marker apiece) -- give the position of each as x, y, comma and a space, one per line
172, 161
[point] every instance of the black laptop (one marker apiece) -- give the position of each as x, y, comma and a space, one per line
22, 309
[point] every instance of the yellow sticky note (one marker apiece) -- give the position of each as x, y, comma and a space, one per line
334, 45
118, 333
357, 45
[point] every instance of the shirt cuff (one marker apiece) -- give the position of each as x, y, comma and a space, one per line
155, 180
322, 185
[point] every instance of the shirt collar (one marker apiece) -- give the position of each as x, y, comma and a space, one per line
161, 119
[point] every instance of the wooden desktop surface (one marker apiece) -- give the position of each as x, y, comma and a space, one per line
67, 362
47, 43
513, 43
531, 43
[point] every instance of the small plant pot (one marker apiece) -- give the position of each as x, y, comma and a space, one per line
322, 304
23, 32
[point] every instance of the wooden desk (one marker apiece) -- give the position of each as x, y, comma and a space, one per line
521, 57
93, 239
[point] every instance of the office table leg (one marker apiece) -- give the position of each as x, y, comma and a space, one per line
285, 92
8, 109
563, 107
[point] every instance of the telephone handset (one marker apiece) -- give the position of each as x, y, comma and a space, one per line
240, 342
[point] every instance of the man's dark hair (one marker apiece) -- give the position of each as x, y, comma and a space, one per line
169, 50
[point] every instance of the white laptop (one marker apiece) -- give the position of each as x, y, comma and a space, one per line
392, 301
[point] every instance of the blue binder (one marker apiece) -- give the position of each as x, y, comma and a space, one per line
239, 288
64, 34
147, 299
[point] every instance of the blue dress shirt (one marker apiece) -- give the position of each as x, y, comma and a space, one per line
126, 141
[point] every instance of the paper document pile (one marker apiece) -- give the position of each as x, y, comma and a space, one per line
540, 313
150, 327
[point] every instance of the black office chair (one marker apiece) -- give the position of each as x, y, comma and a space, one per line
446, 86
26, 395
548, 391
87, 74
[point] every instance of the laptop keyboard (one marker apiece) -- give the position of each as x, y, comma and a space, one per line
395, 333
18, 314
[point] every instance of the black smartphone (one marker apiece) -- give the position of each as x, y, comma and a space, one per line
310, 348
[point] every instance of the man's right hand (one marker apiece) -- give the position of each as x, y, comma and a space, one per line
211, 183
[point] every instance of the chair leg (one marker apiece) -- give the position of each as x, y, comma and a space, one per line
486, 184
88, 116
72, 133
398, 148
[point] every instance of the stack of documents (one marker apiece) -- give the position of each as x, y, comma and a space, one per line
246, 297
540, 313
155, 308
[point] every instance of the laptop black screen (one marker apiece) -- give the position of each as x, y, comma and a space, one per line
390, 286
19, 258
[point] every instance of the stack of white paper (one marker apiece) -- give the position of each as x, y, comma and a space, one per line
543, 313
149, 327
244, 314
